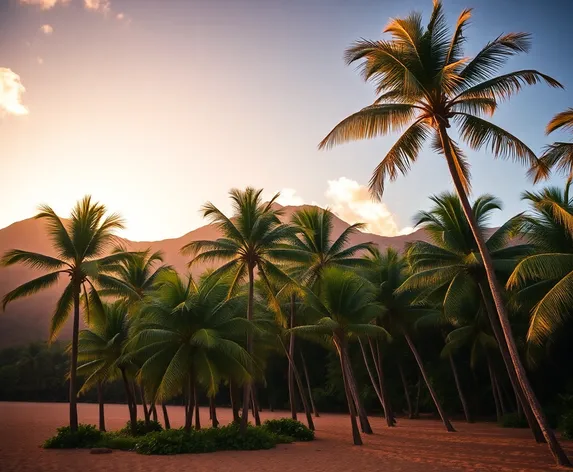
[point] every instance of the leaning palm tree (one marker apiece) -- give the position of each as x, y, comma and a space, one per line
247, 244
423, 81
560, 154
79, 244
344, 308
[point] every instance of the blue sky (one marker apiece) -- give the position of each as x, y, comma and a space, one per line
174, 102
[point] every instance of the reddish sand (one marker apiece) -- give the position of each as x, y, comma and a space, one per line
411, 446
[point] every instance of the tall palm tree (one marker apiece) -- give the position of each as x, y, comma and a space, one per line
79, 244
560, 154
313, 249
344, 308
545, 277
101, 354
248, 243
387, 273
449, 269
423, 80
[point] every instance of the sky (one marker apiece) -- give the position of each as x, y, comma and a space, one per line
155, 107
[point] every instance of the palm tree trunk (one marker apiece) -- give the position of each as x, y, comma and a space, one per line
196, 401
460, 391
496, 292
313, 406
74, 360
247, 386
166, 422
101, 406
406, 392
351, 410
374, 383
377, 358
146, 412
132, 406
499, 395
493, 389
441, 412
362, 416
255, 405
291, 392
154, 412
509, 367
190, 404
213, 409
234, 395
418, 392
296, 375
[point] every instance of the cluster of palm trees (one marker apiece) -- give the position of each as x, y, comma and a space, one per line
164, 334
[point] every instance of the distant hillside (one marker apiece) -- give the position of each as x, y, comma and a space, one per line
28, 320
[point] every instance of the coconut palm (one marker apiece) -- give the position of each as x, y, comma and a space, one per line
101, 355
545, 277
387, 273
247, 244
185, 333
449, 269
560, 154
423, 81
342, 309
79, 244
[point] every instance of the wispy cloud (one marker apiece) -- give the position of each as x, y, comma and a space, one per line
47, 29
11, 90
352, 202
44, 4
102, 6
120, 16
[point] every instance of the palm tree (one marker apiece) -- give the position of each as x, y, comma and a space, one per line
309, 253
387, 273
449, 269
560, 154
247, 244
423, 80
342, 309
101, 354
185, 333
545, 277
79, 244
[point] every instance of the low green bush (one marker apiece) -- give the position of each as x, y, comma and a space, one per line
118, 440
289, 427
513, 420
178, 441
87, 435
141, 428
566, 425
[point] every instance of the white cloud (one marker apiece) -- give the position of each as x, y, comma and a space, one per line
44, 4
11, 90
103, 6
352, 202
47, 29
120, 16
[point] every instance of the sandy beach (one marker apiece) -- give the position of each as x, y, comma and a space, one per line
412, 446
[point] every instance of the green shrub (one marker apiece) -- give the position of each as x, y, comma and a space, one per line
118, 440
512, 420
140, 428
289, 427
86, 436
566, 425
178, 441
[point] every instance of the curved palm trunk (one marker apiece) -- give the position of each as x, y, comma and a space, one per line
418, 392
74, 361
313, 406
309, 420
247, 386
213, 410
351, 410
196, 401
146, 412
493, 389
291, 392
154, 412
496, 292
499, 395
377, 357
190, 404
362, 416
374, 383
255, 405
406, 392
441, 412
234, 395
101, 406
166, 422
509, 367
460, 391
130, 402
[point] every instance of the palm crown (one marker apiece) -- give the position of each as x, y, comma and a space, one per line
560, 154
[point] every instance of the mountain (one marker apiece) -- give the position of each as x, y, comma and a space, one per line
28, 320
